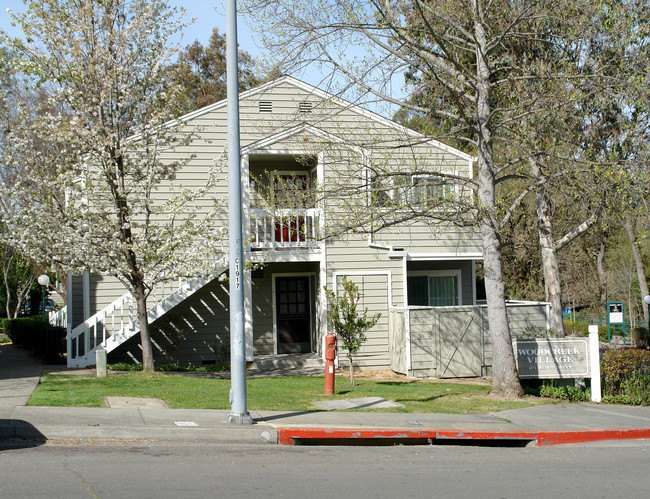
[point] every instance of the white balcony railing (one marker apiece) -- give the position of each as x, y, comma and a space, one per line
284, 228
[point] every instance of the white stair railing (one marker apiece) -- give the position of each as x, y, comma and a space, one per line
59, 317
117, 322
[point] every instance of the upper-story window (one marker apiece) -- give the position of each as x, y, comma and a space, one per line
422, 190
290, 190
410, 190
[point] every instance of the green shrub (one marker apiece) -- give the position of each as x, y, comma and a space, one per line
581, 328
25, 332
41, 339
569, 393
124, 366
626, 376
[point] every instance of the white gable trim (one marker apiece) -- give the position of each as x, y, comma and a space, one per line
262, 144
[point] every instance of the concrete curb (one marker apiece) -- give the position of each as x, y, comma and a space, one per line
260, 435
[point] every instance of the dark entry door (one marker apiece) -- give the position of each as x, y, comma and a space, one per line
293, 314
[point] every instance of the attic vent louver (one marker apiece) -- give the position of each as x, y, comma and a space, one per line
304, 107
265, 106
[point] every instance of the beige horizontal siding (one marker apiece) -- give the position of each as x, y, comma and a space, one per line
103, 291
204, 318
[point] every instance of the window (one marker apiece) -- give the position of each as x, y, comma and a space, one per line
290, 190
434, 289
422, 190
409, 190
380, 192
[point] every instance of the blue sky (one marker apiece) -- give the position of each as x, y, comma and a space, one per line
208, 15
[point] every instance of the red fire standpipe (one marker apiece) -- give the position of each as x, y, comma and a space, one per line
330, 355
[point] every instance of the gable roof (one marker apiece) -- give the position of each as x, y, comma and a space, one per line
284, 80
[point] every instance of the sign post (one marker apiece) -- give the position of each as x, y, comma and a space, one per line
594, 360
615, 315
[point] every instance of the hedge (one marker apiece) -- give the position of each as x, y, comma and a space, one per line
43, 340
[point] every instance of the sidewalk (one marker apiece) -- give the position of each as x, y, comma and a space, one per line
544, 425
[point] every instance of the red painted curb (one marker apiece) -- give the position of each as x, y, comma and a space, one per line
289, 436
545, 438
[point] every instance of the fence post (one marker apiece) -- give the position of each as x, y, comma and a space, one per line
594, 363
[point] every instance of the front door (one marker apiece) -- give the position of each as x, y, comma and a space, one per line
293, 314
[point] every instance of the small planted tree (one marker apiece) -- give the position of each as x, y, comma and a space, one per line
350, 325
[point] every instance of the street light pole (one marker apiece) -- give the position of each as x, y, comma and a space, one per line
238, 413
44, 281
646, 300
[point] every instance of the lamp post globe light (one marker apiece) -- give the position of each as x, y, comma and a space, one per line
646, 300
44, 281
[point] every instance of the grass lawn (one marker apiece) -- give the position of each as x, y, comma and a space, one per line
281, 394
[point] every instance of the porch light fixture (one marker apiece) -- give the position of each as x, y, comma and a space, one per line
44, 281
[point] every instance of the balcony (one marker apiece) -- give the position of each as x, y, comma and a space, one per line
284, 228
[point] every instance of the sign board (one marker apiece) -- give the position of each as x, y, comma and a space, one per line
552, 358
615, 312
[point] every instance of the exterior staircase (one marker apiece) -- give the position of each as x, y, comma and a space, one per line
116, 323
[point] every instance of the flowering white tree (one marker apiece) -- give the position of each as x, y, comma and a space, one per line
96, 190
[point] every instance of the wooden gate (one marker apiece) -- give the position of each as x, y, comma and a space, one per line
459, 341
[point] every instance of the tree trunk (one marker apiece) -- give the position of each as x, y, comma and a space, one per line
640, 271
8, 291
505, 381
602, 273
143, 322
351, 369
550, 265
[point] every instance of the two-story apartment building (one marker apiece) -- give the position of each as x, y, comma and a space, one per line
297, 140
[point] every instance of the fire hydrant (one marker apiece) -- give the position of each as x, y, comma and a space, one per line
330, 356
